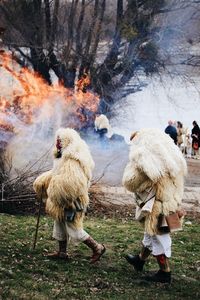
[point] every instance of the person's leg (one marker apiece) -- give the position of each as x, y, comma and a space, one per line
76, 232
163, 262
97, 249
60, 234
138, 261
161, 249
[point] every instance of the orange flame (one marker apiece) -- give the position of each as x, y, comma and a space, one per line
83, 83
30, 92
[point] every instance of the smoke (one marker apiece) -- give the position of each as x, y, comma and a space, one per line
110, 156
31, 111
32, 141
176, 33
174, 92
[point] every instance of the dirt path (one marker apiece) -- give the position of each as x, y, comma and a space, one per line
193, 178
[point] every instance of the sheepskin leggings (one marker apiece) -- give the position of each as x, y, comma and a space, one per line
158, 244
64, 230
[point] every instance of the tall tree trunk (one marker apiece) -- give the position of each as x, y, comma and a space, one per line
39, 60
78, 35
85, 59
54, 22
97, 35
70, 39
48, 21
39, 63
112, 56
106, 71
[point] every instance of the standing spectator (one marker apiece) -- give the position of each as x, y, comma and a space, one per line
195, 138
171, 130
186, 142
179, 133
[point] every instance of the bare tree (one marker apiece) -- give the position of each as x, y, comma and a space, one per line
66, 36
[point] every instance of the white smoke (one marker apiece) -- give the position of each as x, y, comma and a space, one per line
28, 142
32, 141
169, 99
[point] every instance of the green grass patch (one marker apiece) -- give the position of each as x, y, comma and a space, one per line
26, 274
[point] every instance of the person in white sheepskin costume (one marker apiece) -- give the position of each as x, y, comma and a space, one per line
105, 132
101, 122
102, 126
155, 173
65, 189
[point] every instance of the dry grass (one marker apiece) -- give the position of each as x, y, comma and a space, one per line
27, 274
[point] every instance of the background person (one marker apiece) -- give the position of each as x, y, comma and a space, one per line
180, 132
195, 138
171, 131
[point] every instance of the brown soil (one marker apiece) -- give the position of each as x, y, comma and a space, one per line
193, 178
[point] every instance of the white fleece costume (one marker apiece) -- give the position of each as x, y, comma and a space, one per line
102, 122
66, 186
156, 162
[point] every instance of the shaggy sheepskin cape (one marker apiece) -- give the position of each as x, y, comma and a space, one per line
101, 122
155, 161
70, 177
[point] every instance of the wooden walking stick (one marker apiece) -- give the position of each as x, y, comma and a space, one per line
38, 220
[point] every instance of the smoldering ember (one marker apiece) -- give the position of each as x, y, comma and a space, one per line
99, 127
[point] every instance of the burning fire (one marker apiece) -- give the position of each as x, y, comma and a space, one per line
29, 93
83, 83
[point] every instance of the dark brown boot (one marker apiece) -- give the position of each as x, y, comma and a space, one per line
61, 253
135, 261
160, 276
164, 274
98, 249
138, 261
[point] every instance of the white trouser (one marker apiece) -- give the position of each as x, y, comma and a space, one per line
62, 231
158, 244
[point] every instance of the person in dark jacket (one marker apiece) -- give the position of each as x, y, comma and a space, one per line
195, 138
171, 130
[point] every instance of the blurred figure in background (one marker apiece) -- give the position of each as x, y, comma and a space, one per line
195, 138
102, 125
105, 132
180, 131
186, 142
171, 130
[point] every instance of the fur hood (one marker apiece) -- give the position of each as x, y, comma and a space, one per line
73, 147
102, 122
155, 153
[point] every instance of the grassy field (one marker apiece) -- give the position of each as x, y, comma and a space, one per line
27, 274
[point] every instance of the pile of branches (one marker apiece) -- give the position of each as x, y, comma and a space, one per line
100, 209
16, 191
21, 183
17, 194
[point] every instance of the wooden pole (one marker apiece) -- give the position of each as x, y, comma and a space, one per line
38, 221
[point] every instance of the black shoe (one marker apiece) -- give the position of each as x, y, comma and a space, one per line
160, 276
135, 261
